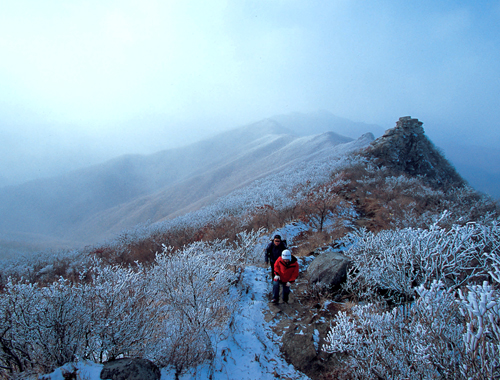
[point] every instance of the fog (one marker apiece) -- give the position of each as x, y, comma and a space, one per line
84, 81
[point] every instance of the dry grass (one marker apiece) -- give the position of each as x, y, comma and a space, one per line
306, 242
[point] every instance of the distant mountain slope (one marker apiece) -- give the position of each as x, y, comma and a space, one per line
324, 121
200, 190
92, 204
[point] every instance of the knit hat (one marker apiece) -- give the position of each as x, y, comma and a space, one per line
286, 255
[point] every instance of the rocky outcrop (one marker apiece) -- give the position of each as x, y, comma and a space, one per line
406, 148
130, 369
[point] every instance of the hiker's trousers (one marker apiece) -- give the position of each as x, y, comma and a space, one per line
276, 290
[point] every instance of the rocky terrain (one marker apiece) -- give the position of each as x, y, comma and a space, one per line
407, 149
303, 324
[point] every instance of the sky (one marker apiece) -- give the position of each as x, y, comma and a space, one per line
82, 81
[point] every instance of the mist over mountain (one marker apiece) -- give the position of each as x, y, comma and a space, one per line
92, 204
323, 121
96, 203
62, 151
479, 165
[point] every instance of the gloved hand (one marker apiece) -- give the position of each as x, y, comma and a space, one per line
288, 284
276, 278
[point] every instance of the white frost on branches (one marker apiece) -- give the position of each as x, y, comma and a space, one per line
480, 307
174, 312
398, 260
446, 327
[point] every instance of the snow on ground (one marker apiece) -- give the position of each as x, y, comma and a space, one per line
250, 352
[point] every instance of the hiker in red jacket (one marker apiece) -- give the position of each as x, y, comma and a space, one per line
286, 270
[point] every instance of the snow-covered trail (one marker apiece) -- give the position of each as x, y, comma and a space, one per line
251, 350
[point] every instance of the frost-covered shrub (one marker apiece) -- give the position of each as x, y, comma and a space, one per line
121, 311
397, 345
197, 302
322, 204
47, 326
395, 261
174, 312
450, 327
438, 338
480, 306
467, 205
41, 327
44, 267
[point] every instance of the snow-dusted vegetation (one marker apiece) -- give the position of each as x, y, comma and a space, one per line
424, 276
170, 312
431, 303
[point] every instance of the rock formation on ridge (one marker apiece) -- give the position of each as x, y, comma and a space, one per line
406, 148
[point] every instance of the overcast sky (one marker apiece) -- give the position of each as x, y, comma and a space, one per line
80, 78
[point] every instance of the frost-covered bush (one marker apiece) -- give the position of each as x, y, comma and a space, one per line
44, 327
121, 308
467, 205
321, 204
393, 262
443, 325
44, 267
480, 306
173, 312
40, 326
439, 338
392, 344
194, 285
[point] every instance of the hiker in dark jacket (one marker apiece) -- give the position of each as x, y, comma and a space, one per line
286, 271
273, 252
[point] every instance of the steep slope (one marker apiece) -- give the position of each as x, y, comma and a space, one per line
479, 165
93, 203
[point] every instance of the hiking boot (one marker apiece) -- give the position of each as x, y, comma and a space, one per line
275, 301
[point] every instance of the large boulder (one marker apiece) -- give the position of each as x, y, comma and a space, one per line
130, 369
329, 268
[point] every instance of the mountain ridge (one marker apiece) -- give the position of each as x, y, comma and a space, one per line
216, 183
76, 206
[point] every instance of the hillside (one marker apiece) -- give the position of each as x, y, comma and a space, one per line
96, 203
322, 121
399, 262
